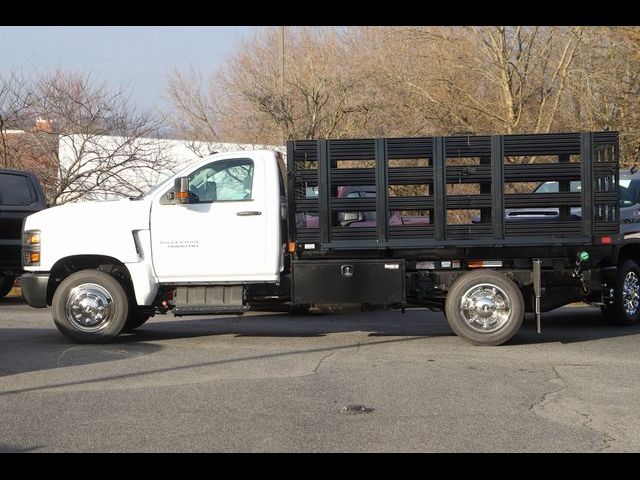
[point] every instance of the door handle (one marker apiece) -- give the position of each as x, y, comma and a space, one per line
248, 213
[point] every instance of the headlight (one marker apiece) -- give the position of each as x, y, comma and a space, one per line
31, 248
31, 237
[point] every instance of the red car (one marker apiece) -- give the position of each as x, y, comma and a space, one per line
358, 219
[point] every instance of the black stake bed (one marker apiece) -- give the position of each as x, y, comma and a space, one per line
423, 186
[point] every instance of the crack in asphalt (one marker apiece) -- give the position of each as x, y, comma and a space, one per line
357, 350
545, 395
539, 406
588, 420
315, 370
61, 356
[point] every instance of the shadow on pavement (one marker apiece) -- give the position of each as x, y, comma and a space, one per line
25, 350
566, 325
378, 323
12, 301
570, 325
31, 349
12, 449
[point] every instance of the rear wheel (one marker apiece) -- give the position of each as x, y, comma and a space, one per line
90, 306
6, 284
625, 309
484, 307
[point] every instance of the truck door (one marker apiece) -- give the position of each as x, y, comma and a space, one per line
629, 206
222, 236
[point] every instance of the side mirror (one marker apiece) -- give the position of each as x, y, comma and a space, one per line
181, 194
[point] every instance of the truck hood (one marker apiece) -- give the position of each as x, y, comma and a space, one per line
107, 229
104, 217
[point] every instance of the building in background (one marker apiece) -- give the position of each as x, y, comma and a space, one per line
108, 167
33, 149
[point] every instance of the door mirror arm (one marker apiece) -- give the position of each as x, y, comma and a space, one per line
181, 195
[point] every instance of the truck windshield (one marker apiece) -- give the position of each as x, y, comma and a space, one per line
150, 192
628, 191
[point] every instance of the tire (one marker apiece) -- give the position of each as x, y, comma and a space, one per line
90, 290
501, 299
625, 309
136, 319
6, 284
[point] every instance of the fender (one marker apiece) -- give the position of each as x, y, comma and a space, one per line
115, 229
630, 248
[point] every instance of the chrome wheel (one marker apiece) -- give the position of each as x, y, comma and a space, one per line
631, 293
485, 307
89, 307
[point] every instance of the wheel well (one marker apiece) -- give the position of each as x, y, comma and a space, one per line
631, 250
66, 266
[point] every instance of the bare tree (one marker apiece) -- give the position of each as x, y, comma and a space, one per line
605, 93
16, 112
482, 79
194, 99
248, 101
396, 81
88, 141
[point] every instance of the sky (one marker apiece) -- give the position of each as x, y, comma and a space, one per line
141, 57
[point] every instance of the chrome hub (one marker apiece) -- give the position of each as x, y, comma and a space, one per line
631, 293
89, 307
485, 307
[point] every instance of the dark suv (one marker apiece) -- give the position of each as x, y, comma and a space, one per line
20, 195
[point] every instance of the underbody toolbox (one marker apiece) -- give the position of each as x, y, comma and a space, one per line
348, 281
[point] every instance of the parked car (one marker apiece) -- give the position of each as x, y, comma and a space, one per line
20, 195
358, 219
629, 184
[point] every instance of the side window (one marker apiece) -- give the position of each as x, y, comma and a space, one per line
15, 190
629, 192
224, 180
634, 186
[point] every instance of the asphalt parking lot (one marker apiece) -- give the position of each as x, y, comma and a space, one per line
276, 382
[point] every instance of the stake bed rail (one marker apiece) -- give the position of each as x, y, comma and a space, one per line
422, 174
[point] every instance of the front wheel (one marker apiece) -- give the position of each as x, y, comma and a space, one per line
484, 307
136, 319
90, 306
625, 309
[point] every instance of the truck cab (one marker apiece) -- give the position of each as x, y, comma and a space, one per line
227, 228
224, 228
